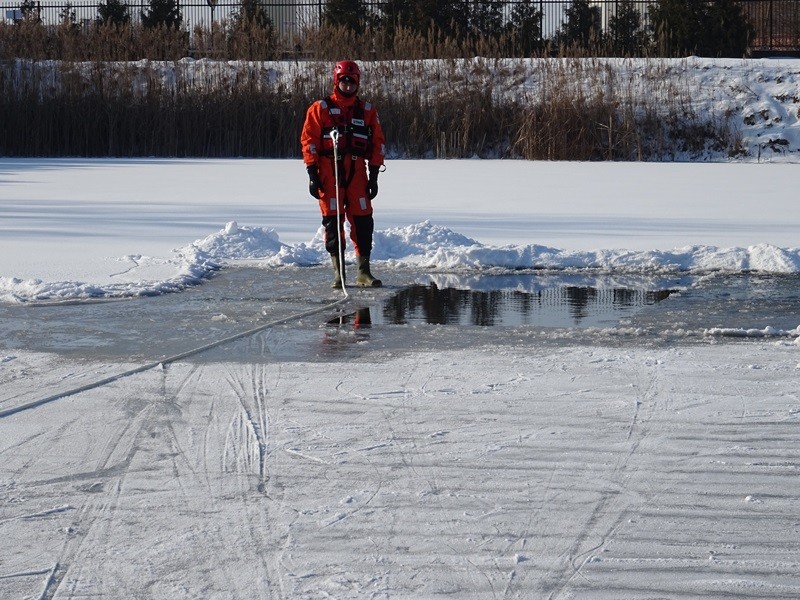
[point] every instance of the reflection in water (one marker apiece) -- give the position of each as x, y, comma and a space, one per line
345, 330
567, 305
359, 319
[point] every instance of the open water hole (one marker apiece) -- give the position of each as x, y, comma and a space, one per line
415, 310
563, 305
580, 301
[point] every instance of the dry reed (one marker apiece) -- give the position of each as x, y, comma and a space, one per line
552, 109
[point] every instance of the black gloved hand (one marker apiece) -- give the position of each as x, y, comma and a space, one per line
314, 183
372, 184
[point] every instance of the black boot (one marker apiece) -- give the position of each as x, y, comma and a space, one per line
364, 277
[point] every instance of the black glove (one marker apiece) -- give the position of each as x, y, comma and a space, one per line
372, 184
314, 184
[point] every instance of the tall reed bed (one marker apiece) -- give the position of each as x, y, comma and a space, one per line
553, 109
546, 109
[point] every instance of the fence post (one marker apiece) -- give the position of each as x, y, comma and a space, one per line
771, 27
541, 23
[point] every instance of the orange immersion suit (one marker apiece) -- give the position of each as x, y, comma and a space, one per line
361, 143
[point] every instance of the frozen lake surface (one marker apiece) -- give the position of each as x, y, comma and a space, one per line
620, 424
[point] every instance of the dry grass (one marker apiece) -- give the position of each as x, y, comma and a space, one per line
29, 39
543, 109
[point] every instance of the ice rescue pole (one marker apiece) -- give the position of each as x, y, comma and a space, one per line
340, 248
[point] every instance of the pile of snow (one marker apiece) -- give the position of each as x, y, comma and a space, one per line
424, 245
234, 243
445, 249
767, 332
430, 246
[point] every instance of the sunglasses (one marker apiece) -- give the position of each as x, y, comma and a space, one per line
348, 79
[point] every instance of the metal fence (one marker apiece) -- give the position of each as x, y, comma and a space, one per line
776, 23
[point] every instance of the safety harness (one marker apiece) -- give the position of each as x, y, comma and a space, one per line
355, 137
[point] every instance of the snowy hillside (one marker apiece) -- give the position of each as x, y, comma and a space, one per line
664, 109
759, 100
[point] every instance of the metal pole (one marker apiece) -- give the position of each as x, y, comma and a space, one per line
340, 249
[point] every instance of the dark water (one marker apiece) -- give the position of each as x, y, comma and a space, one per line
577, 301
563, 306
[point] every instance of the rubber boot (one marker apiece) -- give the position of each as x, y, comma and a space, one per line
364, 277
337, 282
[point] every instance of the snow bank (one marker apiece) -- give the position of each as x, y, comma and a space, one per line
423, 245
431, 246
767, 332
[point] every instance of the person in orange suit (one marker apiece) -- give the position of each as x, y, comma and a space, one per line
360, 151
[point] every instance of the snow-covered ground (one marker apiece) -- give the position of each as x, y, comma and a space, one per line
654, 458
485, 472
